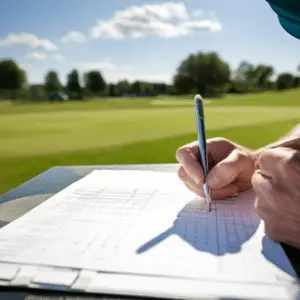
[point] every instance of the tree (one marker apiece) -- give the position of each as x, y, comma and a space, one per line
12, 77
296, 82
136, 88
111, 90
285, 81
250, 78
73, 84
183, 84
206, 73
241, 87
52, 82
94, 82
242, 79
271, 85
244, 72
160, 88
262, 75
148, 89
36, 92
123, 87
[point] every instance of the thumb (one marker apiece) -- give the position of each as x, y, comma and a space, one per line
227, 170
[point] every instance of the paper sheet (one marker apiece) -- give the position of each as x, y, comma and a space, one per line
147, 223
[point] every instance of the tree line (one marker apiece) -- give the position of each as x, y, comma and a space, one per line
204, 73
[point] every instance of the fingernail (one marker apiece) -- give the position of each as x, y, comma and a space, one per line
213, 181
235, 195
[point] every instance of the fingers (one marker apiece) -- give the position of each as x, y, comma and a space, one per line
229, 191
271, 205
187, 156
263, 187
188, 181
219, 148
282, 166
226, 171
228, 164
274, 179
275, 160
277, 203
193, 148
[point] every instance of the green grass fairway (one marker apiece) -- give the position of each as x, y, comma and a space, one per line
35, 137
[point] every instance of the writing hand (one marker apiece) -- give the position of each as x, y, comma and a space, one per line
230, 168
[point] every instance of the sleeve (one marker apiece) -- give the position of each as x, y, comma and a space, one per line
288, 12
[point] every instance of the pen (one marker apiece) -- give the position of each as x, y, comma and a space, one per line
202, 145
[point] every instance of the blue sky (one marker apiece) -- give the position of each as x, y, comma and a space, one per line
140, 39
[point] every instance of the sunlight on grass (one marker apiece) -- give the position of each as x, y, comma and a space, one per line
46, 133
35, 137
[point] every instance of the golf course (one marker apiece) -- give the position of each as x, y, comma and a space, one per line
36, 137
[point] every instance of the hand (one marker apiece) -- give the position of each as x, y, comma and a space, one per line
277, 185
230, 168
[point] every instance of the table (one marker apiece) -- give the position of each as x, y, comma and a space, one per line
25, 197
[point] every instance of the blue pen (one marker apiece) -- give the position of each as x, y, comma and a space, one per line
202, 144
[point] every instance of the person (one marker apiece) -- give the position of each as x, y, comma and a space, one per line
272, 171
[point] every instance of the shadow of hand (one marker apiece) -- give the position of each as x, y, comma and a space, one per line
221, 231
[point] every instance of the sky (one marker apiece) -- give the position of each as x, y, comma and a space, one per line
140, 39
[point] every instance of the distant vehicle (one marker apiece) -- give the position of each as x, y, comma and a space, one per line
59, 96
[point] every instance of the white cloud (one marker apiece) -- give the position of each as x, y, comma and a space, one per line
58, 57
101, 65
197, 13
73, 36
29, 40
35, 55
167, 20
26, 66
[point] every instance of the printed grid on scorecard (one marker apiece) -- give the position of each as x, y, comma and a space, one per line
139, 223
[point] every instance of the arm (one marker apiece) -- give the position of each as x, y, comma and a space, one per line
291, 140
